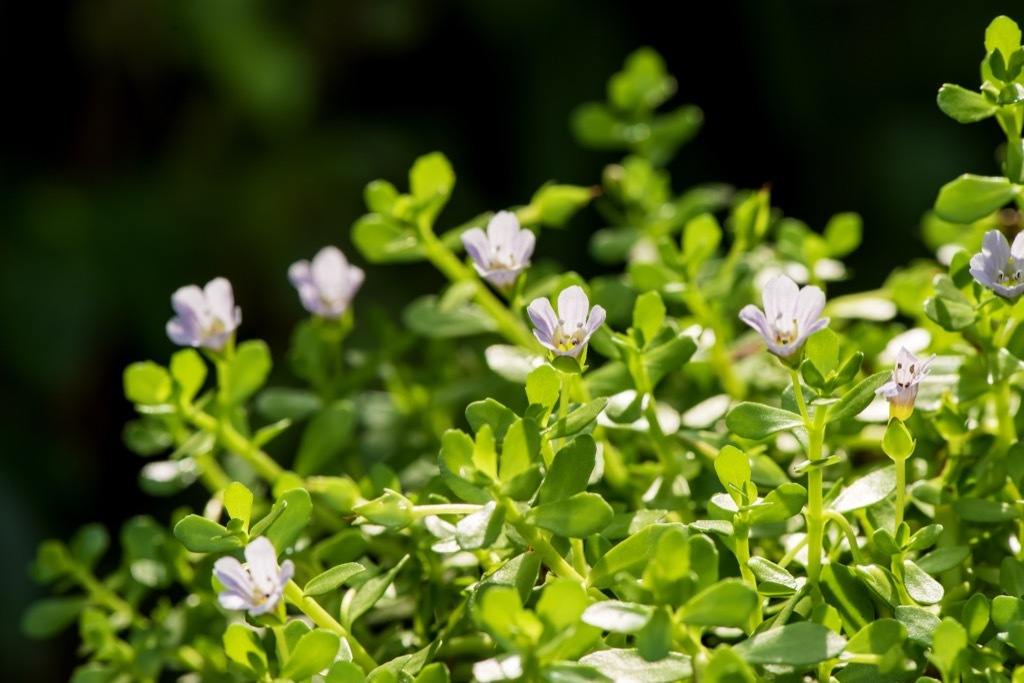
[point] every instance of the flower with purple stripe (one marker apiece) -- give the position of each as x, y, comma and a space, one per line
901, 389
327, 284
999, 266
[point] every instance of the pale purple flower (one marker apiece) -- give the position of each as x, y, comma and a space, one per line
326, 286
901, 389
999, 266
566, 333
502, 253
256, 586
790, 315
206, 317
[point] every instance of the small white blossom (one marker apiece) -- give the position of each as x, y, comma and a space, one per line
790, 315
326, 286
901, 389
568, 332
206, 317
259, 584
999, 266
502, 253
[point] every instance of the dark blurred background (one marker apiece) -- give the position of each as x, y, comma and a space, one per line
148, 145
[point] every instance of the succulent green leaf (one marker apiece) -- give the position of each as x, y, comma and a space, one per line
970, 197
331, 579
575, 517
243, 648
799, 644
147, 383
758, 421
202, 535
570, 470
314, 652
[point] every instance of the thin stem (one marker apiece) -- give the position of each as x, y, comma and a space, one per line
1007, 428
901, 492
211, 473
563, 401
798, 392
445, 509
742, 538
851, 535
229, 438
815, 519
104, 596
312, 609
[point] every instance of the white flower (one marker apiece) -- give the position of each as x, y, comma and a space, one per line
568, 332
326, 286
901, 389
501, 254
259, 584
999, 266
206, 317
790, 316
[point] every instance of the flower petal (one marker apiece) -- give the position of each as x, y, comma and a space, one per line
189, 302
262, 563
300, 273
230, 600
544, 320
572, 308
233, 576
594, 322
502, 230
221, 300
780, 298
180, 334
1017, 249
754, 316
809, 305
328, 270
477, 246
523, 246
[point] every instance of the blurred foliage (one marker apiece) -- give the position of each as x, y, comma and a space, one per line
150, 145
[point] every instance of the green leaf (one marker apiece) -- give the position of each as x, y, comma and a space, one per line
867, 490
457, 468
767, 572
881, 581
948, 641
630, 556
577, 420
89, 543
843, 234
147, 383
431, 181
238, 502
845, 591
643, 84
1011, 576
189, 370
570, 470
367, 595
285, 529
280, 403
314, 652
432, 673
629, 665
985, 511
885, 543
897, 442
920, 623
617, 617
975, 616
949, 308
649, 315
553, 205
779, 505
575, 517
249, 370
728, 603
925, 537
543, 386
943, 559
391, 509
562, 603
964, 106
970, 197
733, 469
822, 349
332, 578
48, 617
1002, 34
202, 535
858, 398
480, 529
520, 573
1006, 610
243, 648
877, 637
492, 413
325, 438
757, 421
701, 237
520, 449
725, 666
921, 587
799, 645
381, 239
668, 357
654, 641
431, 317
380, 197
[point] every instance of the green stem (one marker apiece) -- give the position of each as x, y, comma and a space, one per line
213, 476
509, 326
563, 401
1007, 428
312, 609
851, 535
798, 392
551, 557
901, 492
815, 518
282, 643
445, 509
741, 536
719, 353
228, 437
104, 596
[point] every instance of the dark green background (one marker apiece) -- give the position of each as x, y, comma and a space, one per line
149, 145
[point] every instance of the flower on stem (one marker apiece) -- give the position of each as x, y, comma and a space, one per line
502, 253
326, 286
206, 317
901, 389
256, 586
568, 332
790, 315
999, 266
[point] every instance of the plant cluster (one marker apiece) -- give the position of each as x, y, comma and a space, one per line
645, 476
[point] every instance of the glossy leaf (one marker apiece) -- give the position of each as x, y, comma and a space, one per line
800, 644
970, 197
757, 421
575, 517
